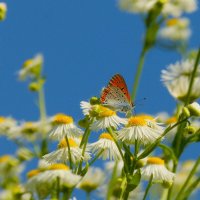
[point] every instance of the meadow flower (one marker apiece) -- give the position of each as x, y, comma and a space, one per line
155, 167
31, 67
177, 80
107, 146
88, 182
136, 6
142, 128
3, 11
6, 123
61, 171
176, 29
62, 154
103, 116
64, 126
178, 7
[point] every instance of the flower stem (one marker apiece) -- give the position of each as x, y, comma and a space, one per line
192, 77
181, 192
42, 107
138, 73
69, 152
119, 148
148, 187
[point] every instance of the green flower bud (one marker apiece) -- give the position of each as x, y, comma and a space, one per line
186, 112
94, 100
194, 109
190, 130
34, 87
167, 184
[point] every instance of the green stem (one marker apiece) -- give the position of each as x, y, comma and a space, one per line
58, 188
69, 152
181, 192
83, 143
191, 188
192, 78
138, 73
42, 104
148, 187
119, 148
87, 195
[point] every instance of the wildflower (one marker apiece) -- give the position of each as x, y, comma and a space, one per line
104, 117
89, 183
177, 80
142, 128
3, 11
155, 167
107, 146
5, 124
61, 172
64, 126
62, 154
176, 29
136, 6
178, 7
31, 68
24, 154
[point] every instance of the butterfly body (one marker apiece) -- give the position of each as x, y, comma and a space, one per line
116, 95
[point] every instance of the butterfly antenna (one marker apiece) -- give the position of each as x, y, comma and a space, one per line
138, 101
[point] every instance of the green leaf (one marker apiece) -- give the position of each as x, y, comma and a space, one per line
133, 181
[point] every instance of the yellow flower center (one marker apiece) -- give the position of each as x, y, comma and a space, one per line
2, 119
62, 119
58, 166
171, 120
4, 158
27, 63
172, 22
137, 121
155, 160
106, 136
29, 127
33, 172
63, 143
105, 112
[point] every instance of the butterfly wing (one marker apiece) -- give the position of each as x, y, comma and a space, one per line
116, 95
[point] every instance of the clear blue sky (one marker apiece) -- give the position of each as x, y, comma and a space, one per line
84, 43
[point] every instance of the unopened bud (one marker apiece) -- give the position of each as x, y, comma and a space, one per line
194, 109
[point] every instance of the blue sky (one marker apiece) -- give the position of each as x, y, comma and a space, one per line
84, 43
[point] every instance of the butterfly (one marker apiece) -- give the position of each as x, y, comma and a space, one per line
116, 95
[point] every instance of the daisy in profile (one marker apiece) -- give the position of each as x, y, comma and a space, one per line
64, 126
156, 168
104, 117
62, 153
107, 146
31, 67
66, 178
177, 80
176, 29
142, 128
88, 182
5, 124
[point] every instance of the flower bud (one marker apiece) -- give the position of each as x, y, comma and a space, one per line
186, 112
94, 100
194, 109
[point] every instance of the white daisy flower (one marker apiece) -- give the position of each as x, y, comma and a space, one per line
178, 7
5, 124
88, 182
104, 117
155, 167
176, 29
136, 6
31, 67
62, 154
107, 146
61, 171
142, 128
36, 185
64, 126
3, 10
177, 80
